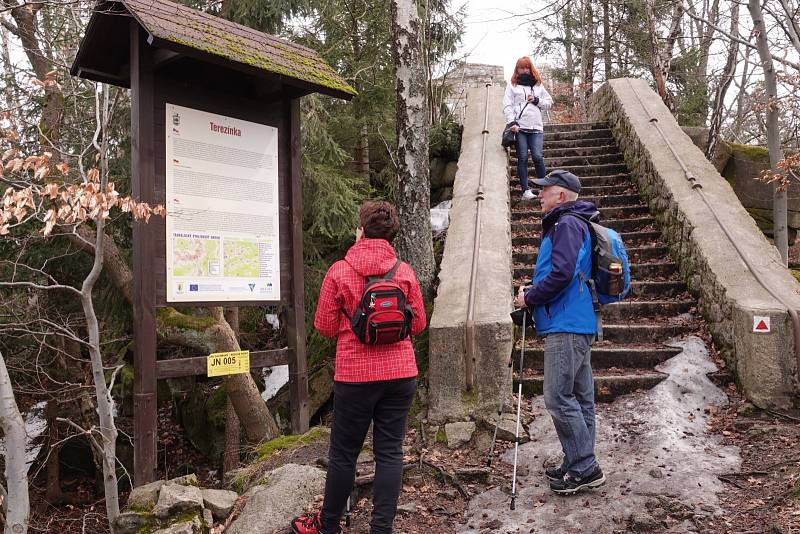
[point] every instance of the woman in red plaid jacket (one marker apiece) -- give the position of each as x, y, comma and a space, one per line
373, 384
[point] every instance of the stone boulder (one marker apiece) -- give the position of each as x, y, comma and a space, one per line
145, 497
185, 527
175, 499
437, 171
285, 494
219, 502
449, 176
459, 434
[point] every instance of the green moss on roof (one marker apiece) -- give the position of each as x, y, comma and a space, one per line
269, 55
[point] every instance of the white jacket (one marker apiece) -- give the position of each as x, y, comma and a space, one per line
514, 101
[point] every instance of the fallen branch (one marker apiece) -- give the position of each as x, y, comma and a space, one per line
745, 474
783, 415
731, 481
448, 478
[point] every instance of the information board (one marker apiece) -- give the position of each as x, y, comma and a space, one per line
222, 208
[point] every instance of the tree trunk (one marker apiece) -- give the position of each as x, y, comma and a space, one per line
659, 66
53, 494
587, 54
718, 109
108, 430
258, 423
779, 205
414, 243
569, 60
362, 152
737, 126
16, 471
606, 40
233, 428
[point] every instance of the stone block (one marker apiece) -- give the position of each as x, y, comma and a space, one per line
459, 434
144, 497
175, 500
220, 502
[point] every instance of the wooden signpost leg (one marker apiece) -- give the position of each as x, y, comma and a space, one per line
296, 324
143, 165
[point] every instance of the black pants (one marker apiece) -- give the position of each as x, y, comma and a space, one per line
355, 406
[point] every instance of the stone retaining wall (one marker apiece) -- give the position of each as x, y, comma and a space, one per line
448, 399
728, 293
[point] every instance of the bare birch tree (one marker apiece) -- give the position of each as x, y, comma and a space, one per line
779, 197
16, 503
414, 243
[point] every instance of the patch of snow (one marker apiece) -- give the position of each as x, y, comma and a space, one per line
649, 444
35, 426
440, 216
274, 379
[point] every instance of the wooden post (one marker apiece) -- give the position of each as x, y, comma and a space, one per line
143, 166
296, 322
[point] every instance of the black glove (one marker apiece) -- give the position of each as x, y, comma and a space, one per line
535, 101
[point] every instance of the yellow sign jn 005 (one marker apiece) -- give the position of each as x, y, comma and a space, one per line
229, 363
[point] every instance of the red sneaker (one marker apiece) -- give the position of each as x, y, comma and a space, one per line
309, 524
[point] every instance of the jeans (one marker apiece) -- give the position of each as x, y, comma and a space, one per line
569, 397
533, 139
356, 405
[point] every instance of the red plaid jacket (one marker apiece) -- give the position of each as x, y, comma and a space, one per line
342, 288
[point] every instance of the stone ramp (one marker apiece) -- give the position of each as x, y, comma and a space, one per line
660, 307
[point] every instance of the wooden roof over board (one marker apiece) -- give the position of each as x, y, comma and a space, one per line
182, 31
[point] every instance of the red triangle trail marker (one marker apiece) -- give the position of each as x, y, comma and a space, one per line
761, 325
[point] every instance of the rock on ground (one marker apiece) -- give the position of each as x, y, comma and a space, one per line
285, 494
175, 499
459, 434
219, 502
663, 428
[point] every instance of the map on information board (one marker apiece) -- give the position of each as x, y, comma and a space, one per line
222, 208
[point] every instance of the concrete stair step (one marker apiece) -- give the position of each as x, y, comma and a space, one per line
608, 385
636, 357
620, 225
587, 142
572, 135
562, 161
613, 212
584, 172
634, 253
572, 126
571, 161
643, 333
619, 179
630, 238
637, 309
639, 271
580, 151
657, 288
608, 201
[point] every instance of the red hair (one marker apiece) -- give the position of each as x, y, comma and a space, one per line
522, 63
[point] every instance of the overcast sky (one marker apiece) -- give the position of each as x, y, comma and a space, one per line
493, 35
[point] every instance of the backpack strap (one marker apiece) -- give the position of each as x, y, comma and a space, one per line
388, 276
590, 281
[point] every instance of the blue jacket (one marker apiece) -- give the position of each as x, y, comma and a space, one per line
559, 296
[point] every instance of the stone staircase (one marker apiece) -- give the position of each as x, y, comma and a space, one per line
659, 307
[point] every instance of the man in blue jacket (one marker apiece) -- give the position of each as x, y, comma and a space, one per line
564, 316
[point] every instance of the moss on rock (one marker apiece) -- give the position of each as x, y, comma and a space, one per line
268, 448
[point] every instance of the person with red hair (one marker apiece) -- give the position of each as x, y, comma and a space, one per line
523, 103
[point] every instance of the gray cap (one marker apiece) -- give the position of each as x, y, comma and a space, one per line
560, 177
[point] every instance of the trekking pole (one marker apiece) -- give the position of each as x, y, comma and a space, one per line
506, 385
519, 411
347, 511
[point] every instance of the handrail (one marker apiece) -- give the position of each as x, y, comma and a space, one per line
469, 362
698, 187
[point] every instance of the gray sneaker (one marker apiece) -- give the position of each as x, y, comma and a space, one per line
570, 485
554, 473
